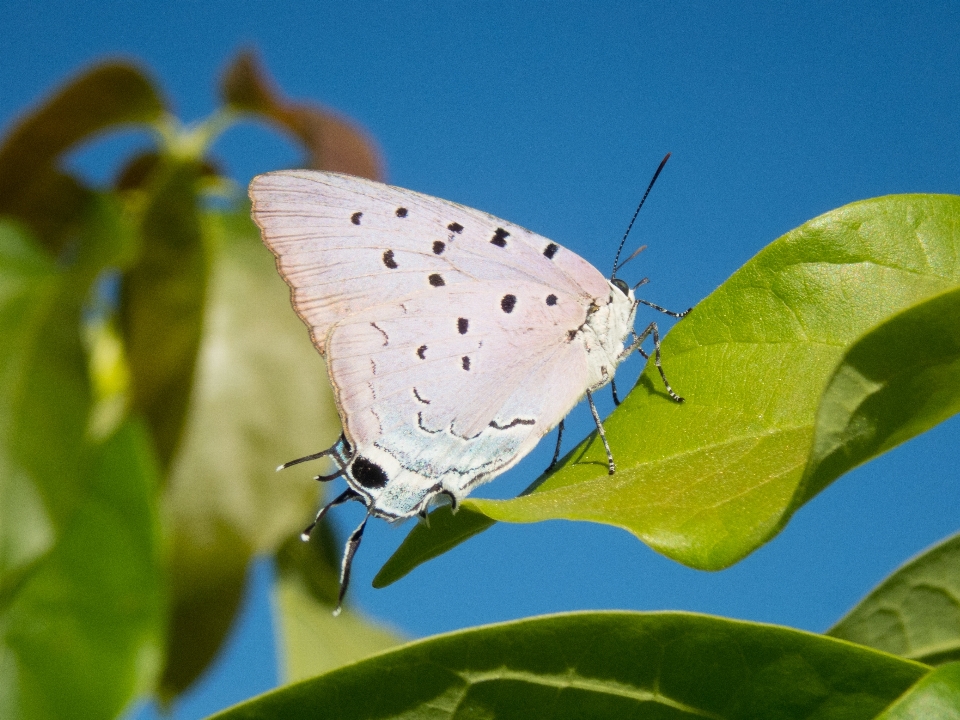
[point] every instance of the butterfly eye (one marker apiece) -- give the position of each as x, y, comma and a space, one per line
621, 286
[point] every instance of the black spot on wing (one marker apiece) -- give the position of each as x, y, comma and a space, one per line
500, 237
512, 423
401, 212
455, 227
551, 299
388, 260
422, 352
550, 250
438, 247
508, 303
368, 473
462, 325
465, 362
420, 399
355, 218
436, 280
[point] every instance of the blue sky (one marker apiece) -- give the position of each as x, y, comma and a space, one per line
554, 115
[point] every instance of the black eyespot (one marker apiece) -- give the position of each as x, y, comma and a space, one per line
401, 212
368, 473
455, 227
621, 285
550, 250
355, 218
508, 302
462, 325
422, 352
389, 261
436, 280
465, 361
500, 237
551, 299
438, 247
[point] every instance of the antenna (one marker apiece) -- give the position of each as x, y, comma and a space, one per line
616, 260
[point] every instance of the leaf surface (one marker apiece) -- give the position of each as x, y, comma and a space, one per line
915, 612
604, 665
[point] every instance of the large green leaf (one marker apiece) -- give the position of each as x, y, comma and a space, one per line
935, 697
709, 481
32, 187
260, 398
605, 665
915, 612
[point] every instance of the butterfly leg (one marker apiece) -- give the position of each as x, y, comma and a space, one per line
332, 450
348, 494
652, 330
353, 542
556, 452
613, 388
603, 435
677, 315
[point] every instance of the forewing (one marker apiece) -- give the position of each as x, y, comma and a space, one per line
459, 383
345, 244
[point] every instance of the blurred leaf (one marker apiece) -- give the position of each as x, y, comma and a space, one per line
28, 284
162, 304
332, 142
139, 170
914, 612
604, 665
709, 481
261, 397
32, 188
935, 697
82, 635
313, 641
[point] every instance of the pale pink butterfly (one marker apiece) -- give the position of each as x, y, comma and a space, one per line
454, 340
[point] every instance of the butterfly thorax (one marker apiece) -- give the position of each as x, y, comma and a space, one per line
604, 334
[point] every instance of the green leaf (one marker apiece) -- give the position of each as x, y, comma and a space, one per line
915, 612
935, 697
331, 142
604, 665
709, 481
897, 381
82, 634
32, 188
162, 304
260, 398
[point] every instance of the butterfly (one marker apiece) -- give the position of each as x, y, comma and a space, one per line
454, 340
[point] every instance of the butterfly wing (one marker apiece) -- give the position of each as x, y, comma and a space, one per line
345, 244
448, 388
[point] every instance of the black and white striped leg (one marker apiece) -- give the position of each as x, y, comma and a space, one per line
336, 450
671, 313
556, 452
348, 494
353, 542
613, 388
603, 435
652, 330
